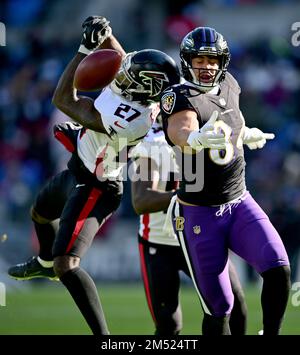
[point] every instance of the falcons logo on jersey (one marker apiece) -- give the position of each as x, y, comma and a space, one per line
154, 80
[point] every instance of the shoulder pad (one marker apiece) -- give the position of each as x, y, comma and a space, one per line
66, 133
232, 82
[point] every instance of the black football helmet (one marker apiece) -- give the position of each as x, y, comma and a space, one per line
144, 75
204, 41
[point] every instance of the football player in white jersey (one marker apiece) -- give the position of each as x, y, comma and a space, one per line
161, 258
89, 191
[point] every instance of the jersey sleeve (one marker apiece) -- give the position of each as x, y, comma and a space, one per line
232, 83
115, 128
173, 100
124, 119
106, 104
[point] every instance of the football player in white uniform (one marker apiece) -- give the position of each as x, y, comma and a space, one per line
89, 191
161, 258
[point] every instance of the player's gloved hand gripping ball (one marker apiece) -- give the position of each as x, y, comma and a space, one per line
100, 67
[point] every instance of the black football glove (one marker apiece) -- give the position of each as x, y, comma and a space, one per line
96, 30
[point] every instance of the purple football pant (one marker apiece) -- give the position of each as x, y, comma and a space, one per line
207, 233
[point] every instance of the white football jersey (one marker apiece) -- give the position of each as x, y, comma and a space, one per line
155, 147
126, 123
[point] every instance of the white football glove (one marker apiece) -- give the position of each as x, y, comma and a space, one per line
206, 137
254, 138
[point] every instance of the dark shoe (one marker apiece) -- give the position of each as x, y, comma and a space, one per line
30, 270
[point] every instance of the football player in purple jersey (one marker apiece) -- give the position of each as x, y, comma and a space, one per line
161, 258
215, 212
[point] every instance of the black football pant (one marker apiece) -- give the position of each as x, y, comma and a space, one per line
160, 267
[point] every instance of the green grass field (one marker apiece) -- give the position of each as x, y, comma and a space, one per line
47, 308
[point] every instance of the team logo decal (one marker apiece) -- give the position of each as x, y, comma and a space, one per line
179, 223
189, 42
152, 251
168, 102
197, 229
223, 43
154, 80
111, 132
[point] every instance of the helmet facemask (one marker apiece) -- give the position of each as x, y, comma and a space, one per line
204, 41
194, 74
123, 81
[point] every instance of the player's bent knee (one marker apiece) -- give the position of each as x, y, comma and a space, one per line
273, 254
223, 306
65, 263
222, 311
280, 273
36, 217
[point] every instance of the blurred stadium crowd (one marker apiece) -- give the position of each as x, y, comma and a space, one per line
267, 69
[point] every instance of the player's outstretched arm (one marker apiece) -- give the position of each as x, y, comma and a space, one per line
145, 196
180, 125
183, 130
79, 108
112, 43
96, 34
254, 138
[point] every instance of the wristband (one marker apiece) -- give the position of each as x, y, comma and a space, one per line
82, 49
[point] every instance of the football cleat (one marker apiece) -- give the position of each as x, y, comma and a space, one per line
31, 269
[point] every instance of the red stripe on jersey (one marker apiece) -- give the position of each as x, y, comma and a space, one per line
89, 205
62, 138
146, 281
146, 229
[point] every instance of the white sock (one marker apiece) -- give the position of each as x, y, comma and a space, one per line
44, 263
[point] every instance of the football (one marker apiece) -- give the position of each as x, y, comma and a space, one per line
97, 70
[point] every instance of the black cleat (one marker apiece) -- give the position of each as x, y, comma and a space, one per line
31, 269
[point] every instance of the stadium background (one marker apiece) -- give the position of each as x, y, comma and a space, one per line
41, 38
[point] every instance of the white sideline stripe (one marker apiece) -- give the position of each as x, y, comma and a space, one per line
186, 255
